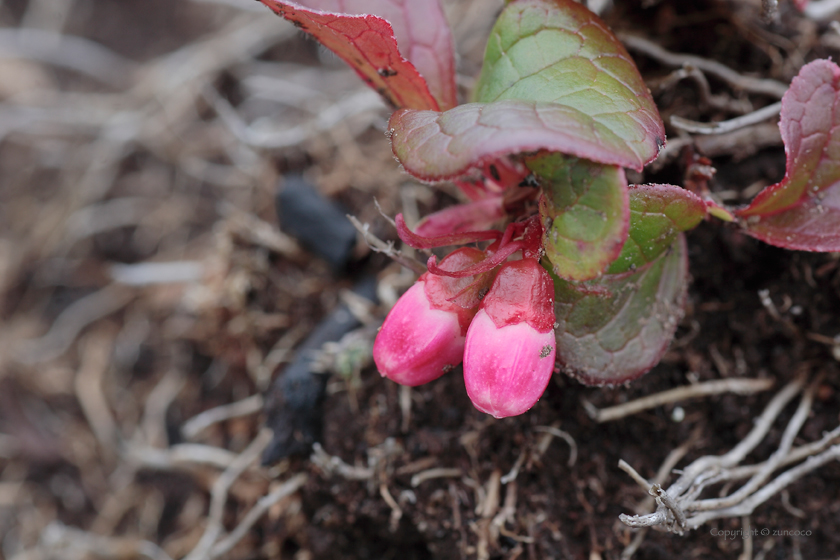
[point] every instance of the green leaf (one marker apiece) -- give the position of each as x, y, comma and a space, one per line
557, 51
657, 214
556, 79
435, 146
614, 329
584, 209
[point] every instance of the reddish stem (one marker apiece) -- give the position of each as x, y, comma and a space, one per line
420, 242
532, 238
488, 264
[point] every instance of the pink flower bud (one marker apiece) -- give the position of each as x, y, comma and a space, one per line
424, 334
510, 346
418, 343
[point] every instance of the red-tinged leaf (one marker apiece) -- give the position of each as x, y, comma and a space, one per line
554, 79
368, 45
557, 51
436, 146
422, 34
473, 216
802, 211
657, 214
585, 213
614, 329
459, 238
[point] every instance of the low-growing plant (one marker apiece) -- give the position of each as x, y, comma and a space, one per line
589, 274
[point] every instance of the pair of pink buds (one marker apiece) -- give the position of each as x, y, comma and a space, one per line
495, 315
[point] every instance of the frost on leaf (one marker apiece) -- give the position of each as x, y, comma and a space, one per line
555, 78
802, 211
437, 146
559, 52
614, 329
367, 43
657, 214
584, 211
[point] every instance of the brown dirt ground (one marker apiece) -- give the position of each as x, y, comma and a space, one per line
97, 379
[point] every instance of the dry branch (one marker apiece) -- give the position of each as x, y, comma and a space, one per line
681, 508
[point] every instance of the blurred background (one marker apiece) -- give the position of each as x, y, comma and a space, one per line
143, 276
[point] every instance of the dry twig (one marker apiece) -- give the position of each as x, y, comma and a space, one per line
733, 78
96, 358
195, 425
387, 249
68, 52
284, 490
67, 543
219, 497
727, 126
67, 326
662, 474
730, 385
681, 508
440, 472
557, 432
179, 456
331, 464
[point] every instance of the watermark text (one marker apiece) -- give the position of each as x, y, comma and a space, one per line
732, 534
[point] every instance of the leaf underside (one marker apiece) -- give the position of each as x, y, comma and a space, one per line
802, 211
367, 44
657, 214
554, 79
585, 213
614, 329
